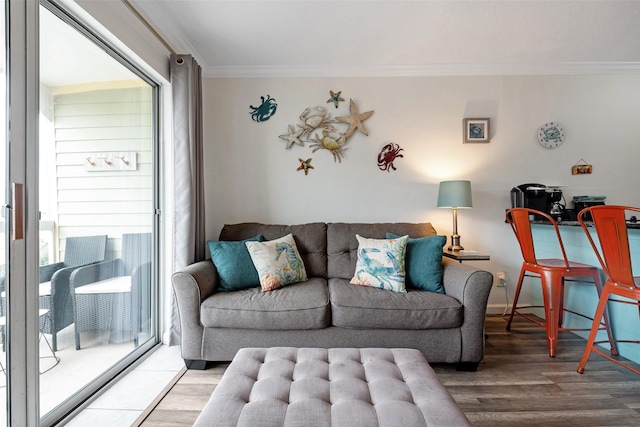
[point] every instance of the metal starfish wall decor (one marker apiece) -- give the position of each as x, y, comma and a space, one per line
321, 130
355, 120
335, 98
305, 165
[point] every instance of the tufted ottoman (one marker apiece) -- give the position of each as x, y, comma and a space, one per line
346, 387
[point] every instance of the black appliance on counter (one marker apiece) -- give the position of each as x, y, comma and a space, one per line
538, 197
581, 202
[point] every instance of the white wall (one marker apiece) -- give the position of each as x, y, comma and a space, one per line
250, 176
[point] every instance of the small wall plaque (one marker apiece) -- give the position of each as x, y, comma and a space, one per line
581, 168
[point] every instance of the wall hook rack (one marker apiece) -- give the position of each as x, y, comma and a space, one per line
110, 161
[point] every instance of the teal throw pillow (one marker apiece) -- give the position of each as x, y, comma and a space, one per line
234, 264
423, 263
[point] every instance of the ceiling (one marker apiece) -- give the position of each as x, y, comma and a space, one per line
395, 37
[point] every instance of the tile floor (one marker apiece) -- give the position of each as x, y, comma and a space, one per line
125, 401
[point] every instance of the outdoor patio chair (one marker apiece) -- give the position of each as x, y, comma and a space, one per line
113, 296
54, 282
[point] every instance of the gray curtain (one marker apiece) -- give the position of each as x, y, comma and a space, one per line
188, 186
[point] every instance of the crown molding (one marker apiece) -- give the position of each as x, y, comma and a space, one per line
422, 70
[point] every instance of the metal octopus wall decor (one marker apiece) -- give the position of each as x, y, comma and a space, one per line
265, 110
389, 153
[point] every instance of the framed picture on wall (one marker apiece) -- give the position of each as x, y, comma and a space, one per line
476, 130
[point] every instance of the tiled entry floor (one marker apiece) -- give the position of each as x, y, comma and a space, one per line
125, 401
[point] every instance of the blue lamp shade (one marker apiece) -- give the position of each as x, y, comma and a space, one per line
455, 194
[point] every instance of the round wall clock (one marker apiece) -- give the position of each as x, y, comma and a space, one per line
551, 135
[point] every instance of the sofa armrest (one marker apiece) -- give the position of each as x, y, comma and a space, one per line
192, 285
470, 286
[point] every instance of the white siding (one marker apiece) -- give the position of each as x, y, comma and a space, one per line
102, 202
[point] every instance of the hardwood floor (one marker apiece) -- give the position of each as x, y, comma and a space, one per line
517, 384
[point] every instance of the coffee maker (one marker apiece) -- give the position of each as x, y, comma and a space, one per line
538, 197
532, 196
555, 208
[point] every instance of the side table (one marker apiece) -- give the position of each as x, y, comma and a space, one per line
465, 255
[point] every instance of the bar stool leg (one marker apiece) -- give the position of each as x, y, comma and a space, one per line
552, 295
515, 298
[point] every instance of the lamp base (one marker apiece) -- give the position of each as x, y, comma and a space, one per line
455, 243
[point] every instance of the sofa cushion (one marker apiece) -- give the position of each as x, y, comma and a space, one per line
311, 240
233, 264
304, 305
381, 263
360, 307
423, 264
278, 262
342, 246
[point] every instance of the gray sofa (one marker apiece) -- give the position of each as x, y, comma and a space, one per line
326, 311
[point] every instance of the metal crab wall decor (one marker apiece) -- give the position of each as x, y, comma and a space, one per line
388, 155
333, 141
265, 110
322, 131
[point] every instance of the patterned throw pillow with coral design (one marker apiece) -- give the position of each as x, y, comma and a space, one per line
278, 262
380, 263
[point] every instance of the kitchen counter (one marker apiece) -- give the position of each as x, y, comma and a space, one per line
633, 225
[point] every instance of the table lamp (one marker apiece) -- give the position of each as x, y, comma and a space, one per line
455, 195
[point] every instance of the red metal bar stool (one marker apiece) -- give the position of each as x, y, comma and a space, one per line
614, 255
553, 274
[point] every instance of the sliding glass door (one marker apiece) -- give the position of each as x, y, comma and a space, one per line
97, 174
4, 224
18, 328
79, 223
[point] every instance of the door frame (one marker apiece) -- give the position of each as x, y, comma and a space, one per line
22, 272
22, 329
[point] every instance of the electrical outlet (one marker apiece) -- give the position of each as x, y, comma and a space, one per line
501, 279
